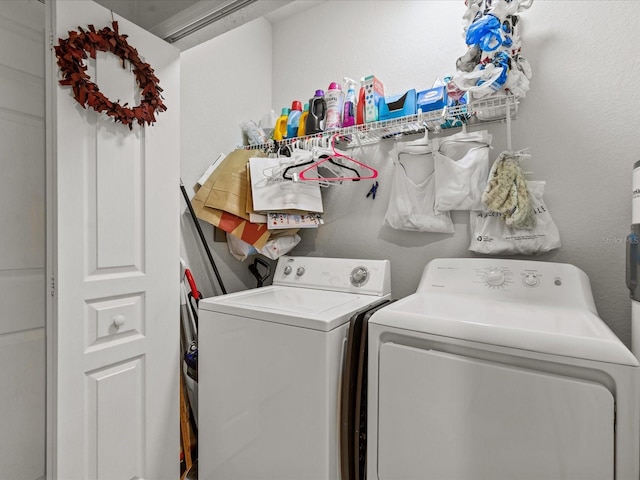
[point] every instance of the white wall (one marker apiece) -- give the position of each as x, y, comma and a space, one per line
578, 119
22, 241
223, 82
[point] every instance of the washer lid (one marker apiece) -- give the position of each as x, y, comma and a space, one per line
571, 332
303, 307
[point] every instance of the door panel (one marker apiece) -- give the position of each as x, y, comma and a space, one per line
114, 244
453, 417
22, 240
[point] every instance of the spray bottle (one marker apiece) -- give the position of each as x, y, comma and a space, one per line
350, 104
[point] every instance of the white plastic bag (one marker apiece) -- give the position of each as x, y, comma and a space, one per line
491, 236
273, 249
461, 170
411, 206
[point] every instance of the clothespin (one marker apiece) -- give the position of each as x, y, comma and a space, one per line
373, 190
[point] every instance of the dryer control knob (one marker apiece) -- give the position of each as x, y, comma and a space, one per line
495, 278
359, 276
531, 280
287, 270
300, 271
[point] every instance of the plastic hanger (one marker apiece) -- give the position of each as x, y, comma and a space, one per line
298, 158
335, 154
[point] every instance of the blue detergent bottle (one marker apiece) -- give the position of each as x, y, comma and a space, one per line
294, 119
317, 114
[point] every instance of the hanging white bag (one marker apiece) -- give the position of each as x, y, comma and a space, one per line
275, 193
411, 205
461, 170
490, 235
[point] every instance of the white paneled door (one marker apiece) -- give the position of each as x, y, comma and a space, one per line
113, 267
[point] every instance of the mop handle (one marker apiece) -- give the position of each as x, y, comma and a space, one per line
202, 238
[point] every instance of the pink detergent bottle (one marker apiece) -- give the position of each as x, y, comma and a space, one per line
334, 99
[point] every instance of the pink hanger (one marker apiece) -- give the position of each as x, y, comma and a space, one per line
336, 154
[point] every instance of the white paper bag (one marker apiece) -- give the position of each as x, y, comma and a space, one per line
276, 194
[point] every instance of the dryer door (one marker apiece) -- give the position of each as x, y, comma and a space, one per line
452, 417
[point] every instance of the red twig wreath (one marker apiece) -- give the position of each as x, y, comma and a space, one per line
72, 52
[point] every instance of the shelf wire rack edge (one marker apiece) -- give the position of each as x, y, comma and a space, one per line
372, 132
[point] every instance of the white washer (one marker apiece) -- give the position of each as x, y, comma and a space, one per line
496, 370
269, 368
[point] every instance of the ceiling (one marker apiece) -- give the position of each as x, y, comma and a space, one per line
186, 23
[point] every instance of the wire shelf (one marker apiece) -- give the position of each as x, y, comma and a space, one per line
479, 111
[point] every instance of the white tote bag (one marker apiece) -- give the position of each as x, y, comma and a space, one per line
490, 235
461, 170
276, 194
411, 206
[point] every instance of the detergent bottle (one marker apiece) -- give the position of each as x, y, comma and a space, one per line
294, 119
303, 120
360, 106
334, 99
280, 132
317, 114
349, 110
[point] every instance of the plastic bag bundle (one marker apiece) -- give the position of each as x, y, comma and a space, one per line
492, 236
275, 247
494, 61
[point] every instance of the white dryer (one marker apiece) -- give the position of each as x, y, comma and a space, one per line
269, 369
500, 370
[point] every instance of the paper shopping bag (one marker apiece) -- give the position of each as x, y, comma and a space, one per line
228, 186
255, 234
272, 193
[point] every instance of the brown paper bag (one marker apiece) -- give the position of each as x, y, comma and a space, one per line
228, 190
255, 234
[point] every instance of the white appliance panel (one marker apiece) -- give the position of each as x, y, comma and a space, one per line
301, 307
267, 391
451, 417
573, 332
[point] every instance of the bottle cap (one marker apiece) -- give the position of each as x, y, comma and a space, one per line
319, 93
296, 105
306, 107
334, 86
285, 111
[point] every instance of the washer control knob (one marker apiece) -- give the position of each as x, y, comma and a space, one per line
300, 271
531, 280
359, 276
495, 277
287, 270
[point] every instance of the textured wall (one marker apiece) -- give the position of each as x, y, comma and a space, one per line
578, 120
223, 82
